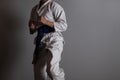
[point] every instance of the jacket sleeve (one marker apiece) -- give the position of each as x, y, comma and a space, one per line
32, 14
60, 23
31, 20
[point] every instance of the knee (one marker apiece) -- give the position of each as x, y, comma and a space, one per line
58, 74
56, 70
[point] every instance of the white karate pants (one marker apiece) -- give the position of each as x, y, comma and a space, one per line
47, 66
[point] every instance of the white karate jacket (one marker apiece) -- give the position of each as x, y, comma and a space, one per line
53, 12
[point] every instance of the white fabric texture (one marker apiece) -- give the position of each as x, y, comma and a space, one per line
54, 41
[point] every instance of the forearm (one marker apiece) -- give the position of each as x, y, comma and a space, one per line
49, 23
44, 21
32, 27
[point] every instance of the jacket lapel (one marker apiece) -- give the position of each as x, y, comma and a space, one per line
41, 9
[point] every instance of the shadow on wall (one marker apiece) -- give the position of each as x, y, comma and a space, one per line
9, 45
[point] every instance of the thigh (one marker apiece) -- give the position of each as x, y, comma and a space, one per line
44, 57
41, 65
56, 49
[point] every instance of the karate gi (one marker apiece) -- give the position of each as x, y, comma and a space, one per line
49, 54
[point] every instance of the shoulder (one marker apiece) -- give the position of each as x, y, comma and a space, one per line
56, 6
35, 7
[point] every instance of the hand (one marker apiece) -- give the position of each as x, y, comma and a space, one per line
32, 26
42, 20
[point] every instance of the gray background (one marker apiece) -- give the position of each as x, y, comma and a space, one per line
92, 49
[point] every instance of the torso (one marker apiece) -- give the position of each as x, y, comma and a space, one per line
48, 14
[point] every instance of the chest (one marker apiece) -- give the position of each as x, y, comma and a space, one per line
46, 12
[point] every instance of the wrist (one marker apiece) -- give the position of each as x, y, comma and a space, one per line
49, 23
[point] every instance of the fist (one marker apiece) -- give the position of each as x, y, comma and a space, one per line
42, 20
32, 26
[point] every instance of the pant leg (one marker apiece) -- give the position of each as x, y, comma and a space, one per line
49, 62
56, 49
39, 72
40, 66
